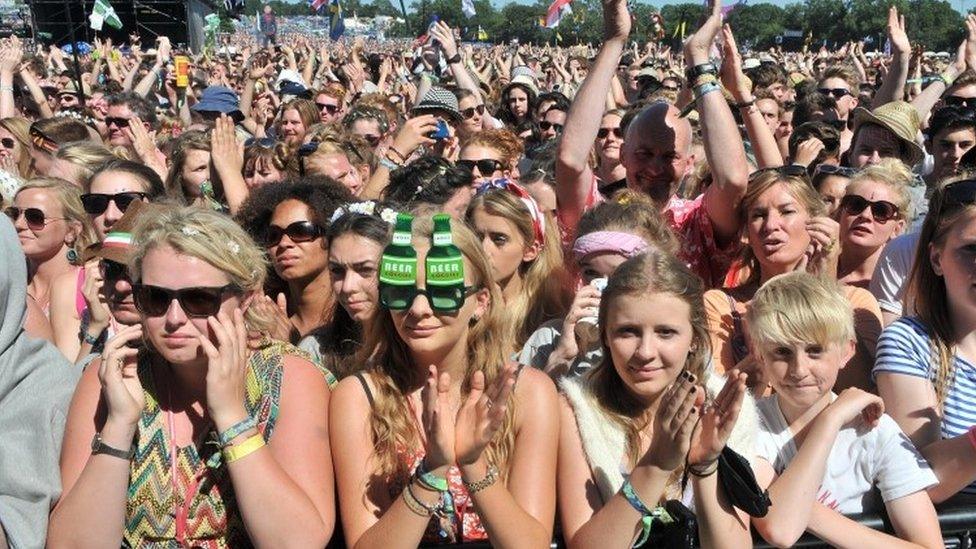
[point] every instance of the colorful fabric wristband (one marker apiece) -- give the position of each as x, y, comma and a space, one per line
227, 437
244, 449
430, 480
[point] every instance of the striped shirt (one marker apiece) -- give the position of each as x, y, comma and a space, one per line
904, 348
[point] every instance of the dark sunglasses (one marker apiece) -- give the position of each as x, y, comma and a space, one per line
199, 302
119, 122
956, 101
486, 166
7, 142
112, 270
264, 142
544, 126
837, 93
372, 139
792, 170
299, 231
469, 112
882, 210
445, 299
331, 109
41, 140
830, 169
36, 220
602, 133
96, 203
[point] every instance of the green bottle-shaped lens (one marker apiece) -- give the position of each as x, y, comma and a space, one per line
445, 266
399, 264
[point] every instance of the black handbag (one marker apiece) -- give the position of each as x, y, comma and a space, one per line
736, 478
675, 528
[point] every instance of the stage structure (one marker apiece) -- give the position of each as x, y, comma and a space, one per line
181, 20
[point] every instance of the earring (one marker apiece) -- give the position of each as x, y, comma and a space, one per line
72, 256
474, 320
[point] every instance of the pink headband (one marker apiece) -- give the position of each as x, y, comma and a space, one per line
625, 244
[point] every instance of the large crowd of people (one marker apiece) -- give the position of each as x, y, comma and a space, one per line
391, 294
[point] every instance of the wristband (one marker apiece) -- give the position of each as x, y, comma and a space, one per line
745, 104
945, 79
456, 58
398, 154
647, 515
430, 480
705, 471
490, 478
698, 70
244, 449
705, 89
389, 164
703, 79
88, 338
227, 437
415, 505
7, 88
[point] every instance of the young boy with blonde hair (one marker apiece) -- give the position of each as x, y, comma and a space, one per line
823, 456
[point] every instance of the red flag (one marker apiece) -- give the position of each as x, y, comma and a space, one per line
556, 11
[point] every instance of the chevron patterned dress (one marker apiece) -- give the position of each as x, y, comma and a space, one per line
201, 499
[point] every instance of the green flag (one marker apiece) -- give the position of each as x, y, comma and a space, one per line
103, 12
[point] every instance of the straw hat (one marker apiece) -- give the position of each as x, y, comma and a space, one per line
118, 242
898, 117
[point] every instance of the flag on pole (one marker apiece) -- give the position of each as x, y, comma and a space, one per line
467, 6
103, 12
317, 5
482, 34
337, 24
556, 11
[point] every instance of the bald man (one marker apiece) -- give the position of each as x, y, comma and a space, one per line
657, 154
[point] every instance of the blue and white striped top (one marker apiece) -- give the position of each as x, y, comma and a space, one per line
904, 348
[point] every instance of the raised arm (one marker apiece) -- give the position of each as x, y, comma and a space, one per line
763, 141
724, 150
10, 56
574, 177
893, 87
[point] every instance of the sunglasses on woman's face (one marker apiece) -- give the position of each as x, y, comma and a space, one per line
7, 142
35, 218
469, 112
881, 210
602, 133
97, 203
442, 299
112, 270
299, 231
486, 166
197, 302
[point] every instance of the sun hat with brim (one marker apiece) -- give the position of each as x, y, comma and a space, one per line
71, 88
522, 80
438, 99
218, 99
118, 244
898, 117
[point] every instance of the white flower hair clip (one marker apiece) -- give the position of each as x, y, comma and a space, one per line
189, 231
389, 216
234, 247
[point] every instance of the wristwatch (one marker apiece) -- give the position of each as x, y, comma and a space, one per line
698, 70
456, 58
99, 447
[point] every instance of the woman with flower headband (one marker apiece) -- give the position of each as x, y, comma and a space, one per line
178, 434
609, 234
431, 182
356, 236
523, 245
441, 440
289, 220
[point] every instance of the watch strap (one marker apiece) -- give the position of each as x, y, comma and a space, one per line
99, 447
456, 58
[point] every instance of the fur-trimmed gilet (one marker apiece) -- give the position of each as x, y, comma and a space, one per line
604, 441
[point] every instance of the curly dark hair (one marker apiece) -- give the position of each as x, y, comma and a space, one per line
427, 180
322, 195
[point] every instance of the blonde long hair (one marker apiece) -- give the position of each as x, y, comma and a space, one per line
544, 281
69, 197
647, 273
394, 373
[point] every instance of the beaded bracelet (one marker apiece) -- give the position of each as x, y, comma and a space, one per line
227, 437
415, 505
88, 338
244, 449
